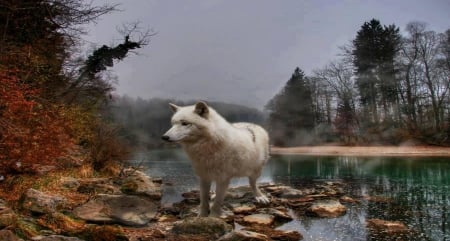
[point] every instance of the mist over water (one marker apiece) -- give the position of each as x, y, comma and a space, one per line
415, 189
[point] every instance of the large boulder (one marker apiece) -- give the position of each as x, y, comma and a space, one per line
138, 183
119, 209
202, 225
326, 209
41, 203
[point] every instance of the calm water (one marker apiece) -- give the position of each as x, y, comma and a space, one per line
418, 187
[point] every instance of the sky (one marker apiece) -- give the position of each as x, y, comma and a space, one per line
242, 51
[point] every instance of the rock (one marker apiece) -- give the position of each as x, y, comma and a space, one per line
167, 218
202, 225
347, 199
239, 193
97, 186
138, 183
120, 209
291, 193
7, 216
285, 235
242, 235
69, 183
243, 208
56, 238
261, 219
297, 203
276, 234
378, 199
326, 209
39, 202
280, 216
388, 228
276, 188
6, 235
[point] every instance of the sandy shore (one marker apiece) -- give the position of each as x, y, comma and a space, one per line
363, 151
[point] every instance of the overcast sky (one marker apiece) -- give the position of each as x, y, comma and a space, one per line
243, 51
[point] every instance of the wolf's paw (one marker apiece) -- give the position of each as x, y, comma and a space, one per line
262, 199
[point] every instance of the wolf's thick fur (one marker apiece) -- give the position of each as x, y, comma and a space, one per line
219, 151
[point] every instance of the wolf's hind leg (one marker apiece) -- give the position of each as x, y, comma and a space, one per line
205, 186
259, 196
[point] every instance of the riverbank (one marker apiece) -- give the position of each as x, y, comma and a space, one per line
411, 151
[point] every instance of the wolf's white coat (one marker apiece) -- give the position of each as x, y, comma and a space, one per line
219, 150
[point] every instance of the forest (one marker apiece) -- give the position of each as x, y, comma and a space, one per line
52, 98
385, 88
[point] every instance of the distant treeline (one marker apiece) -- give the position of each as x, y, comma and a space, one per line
144, 121
386, 88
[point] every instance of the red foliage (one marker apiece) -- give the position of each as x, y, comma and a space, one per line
31, 134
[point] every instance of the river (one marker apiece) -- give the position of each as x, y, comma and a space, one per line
416, 190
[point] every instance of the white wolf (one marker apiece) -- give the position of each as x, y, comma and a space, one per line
219, 151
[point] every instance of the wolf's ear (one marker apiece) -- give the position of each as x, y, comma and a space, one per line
201, 108
174, 107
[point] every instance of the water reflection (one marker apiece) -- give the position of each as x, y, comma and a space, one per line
411, 190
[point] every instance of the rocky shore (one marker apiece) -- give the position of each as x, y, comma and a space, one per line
128, 208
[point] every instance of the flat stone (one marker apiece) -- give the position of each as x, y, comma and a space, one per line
273, 234
242, 235
202, 225
387, 227
56, 238
39, 202
243, 208
378, 199
120, 209
326, 209
236, 193
291, 193
347, 199
261, 219
280, 216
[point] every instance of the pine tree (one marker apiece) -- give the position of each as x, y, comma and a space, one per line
292, 115
375, 48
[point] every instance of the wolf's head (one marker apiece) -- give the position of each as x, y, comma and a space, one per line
188, 122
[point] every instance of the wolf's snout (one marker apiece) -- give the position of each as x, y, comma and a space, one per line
165, 138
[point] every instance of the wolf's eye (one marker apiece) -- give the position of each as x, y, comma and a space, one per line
185, 123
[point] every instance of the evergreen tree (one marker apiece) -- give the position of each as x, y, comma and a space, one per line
375, 48
291, 112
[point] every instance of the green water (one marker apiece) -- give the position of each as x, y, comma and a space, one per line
417, 189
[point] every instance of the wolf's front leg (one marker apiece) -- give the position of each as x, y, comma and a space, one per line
205, 186
221, 189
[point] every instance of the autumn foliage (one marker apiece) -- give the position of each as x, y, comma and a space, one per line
31, 133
